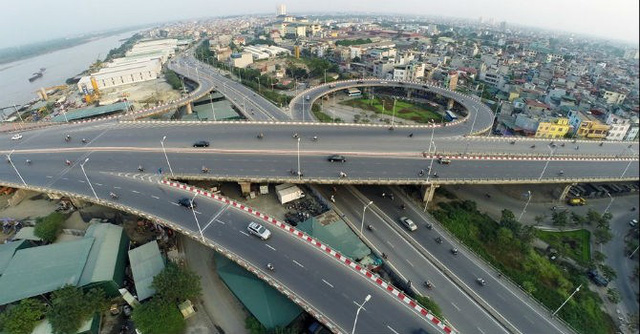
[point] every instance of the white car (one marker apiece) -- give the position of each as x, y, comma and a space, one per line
17, 136
408, 223
259, 230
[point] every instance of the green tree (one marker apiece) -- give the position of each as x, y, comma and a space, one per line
613, 295
560, 218
22, 318
158, 316
599, 256
509, 221
602, 235
49, 227
529, 287
539, 219
173, 79
254, 326
579, 219
70, 308
608, 272
175, 284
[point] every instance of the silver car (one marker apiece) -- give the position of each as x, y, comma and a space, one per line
408, 223
259, 231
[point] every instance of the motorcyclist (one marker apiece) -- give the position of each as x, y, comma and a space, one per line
67, 162
28, 161
67, 138
428, 284
270, 266
439, 240
561, 172
113, 195
369, 227
140, 168
411, 135
205, 169
84, 140
260, 135
315, 138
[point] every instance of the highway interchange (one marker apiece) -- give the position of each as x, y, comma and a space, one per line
375, 155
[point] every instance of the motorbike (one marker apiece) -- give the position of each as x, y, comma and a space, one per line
260, 135
439, 240
428, 285
370, 228
113, 195
84, 141
533, 146
315, 138
270, 267
140, 168
67, 162
205, 170
513, 142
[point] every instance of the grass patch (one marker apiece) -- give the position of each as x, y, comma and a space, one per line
543, 279
405, 110
574, 244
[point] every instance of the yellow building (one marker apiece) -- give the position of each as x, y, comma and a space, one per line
592, 129
557, 129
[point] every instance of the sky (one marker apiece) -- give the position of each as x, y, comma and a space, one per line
26, 21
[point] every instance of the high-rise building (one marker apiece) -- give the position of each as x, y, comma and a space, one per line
281, 10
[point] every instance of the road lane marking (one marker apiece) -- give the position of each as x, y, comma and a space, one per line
117, 187
98, 184
174, 203
64, 178
81, 181
456, 306
327, 283
49, 177
155, 197
270, 247
245, 233
530, 320
135, 191
480, 330
501, 296
390, 244
298, 263
393, 330
411, 264
220, 221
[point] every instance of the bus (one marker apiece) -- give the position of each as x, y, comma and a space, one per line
450, 116
354, 92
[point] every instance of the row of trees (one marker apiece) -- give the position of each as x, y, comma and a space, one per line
69, 308
161, 315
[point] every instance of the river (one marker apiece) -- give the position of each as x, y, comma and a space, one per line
60, 65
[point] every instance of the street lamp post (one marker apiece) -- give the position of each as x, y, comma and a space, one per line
628, 165
529, 195
193, 209
363, 211
86, 177
212, 109
366, 299
393, 117
433, 157
165, 154
608, 205
298, 149
577, 289
14, 167
474, 120
551, 151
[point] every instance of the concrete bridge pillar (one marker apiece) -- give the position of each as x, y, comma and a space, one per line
427, 192
565, 192
409, 92
450, 104
189, 109
245, 187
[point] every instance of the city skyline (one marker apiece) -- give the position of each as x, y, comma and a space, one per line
617, 20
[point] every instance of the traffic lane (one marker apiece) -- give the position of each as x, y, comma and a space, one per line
141, 194
242, 136
304, 266
467, 316
501, 297
363, 168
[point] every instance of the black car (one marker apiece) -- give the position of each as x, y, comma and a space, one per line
201, 143
187, 203
337, 158
359, 82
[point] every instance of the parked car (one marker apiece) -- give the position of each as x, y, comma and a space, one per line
597, 279
337, 158
187, 203
408, 223
201, 143
17, 136
444, 161
259, 230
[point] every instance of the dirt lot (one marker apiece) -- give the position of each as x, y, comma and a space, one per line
142, 95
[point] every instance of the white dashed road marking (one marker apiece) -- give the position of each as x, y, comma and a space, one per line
245, 233
155, 197
298, 263
98, 184
327, 283
393, 330
456, 306
270, 247
135, 191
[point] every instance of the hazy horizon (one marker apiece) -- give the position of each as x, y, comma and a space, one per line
615, 20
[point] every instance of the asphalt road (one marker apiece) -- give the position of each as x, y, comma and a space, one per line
316, 277
457, 307
389, 237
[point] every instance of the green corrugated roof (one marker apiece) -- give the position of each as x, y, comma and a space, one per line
101, 262
8, 250
222, 109
268, 305
90, 112
37, 270
337, 235
27, 233
146, 263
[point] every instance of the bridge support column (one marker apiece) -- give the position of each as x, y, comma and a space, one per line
245, 187
428, 190
565, 192
450, 104
189, 109
409, 92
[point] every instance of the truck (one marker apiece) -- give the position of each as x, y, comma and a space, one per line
576, 201
597, 278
